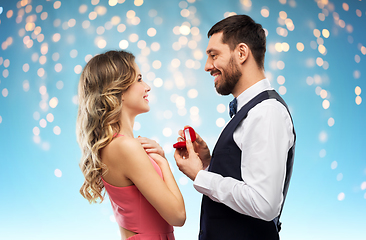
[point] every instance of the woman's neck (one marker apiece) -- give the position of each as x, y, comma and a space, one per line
127, 123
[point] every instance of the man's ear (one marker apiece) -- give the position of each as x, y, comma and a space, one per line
243, 52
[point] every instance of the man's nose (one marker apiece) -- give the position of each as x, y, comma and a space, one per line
209, 65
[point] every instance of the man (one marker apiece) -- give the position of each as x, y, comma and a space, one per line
245, 181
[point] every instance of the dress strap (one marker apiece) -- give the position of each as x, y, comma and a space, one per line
117, 135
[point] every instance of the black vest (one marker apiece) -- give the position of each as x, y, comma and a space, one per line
218, 221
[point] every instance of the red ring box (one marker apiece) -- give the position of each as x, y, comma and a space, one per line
189, 133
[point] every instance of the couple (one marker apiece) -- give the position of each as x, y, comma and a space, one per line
244, 182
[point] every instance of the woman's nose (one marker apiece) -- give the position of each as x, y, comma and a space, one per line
148, 88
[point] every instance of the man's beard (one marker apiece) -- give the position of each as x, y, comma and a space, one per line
229, 78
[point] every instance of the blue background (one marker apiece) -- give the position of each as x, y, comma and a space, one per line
39, 155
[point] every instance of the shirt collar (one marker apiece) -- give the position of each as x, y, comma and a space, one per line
251, 92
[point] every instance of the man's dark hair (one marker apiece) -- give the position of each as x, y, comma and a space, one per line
242, 29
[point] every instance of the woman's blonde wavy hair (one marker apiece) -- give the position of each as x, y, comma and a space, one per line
104, 78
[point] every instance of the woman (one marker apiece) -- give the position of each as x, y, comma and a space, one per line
145, 198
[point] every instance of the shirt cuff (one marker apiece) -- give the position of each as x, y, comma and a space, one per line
202, 182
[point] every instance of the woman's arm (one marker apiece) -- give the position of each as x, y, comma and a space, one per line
131, 160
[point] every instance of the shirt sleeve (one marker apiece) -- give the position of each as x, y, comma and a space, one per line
264, 138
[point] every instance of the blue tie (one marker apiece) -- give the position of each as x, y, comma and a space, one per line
232, 106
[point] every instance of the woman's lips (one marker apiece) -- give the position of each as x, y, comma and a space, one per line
146, 97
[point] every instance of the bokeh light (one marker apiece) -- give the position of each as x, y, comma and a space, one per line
316, 63
58, 173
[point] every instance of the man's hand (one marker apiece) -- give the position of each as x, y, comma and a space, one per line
200, 147
188, 161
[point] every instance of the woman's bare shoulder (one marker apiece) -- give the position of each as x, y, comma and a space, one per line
123, 147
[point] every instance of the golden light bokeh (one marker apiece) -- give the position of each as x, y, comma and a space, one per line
358, 100
325, 33
151, 32
283, 15
358, 90
58, 41
57, 4
326, 104
345, 6
83, 8
112, 3
322, 49
265, 12
138, 2
316, 33
53, 102
300, 46
9, 14
116, 20
130, 14
93, 15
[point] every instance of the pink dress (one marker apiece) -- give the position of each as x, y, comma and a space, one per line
133, 212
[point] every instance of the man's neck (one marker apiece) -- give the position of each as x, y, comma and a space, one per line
247, 80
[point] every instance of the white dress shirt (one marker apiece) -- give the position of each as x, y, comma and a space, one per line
264, 138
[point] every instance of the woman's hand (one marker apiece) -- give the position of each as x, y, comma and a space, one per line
151, 146
158, 159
